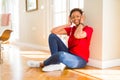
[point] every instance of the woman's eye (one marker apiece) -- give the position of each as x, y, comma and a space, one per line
77, 16
72, 17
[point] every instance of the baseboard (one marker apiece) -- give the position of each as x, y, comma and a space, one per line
32, 46
104, 64
95, 63
111, 63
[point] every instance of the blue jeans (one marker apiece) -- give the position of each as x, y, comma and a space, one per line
60, 54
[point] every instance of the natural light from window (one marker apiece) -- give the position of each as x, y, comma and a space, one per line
62, 9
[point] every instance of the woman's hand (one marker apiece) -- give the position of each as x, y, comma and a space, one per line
82, 19
79, 33
69, 21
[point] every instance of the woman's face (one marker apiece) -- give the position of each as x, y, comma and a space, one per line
75, 18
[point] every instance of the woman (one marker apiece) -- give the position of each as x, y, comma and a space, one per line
77, 53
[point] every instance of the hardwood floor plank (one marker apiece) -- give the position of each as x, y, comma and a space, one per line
14, 67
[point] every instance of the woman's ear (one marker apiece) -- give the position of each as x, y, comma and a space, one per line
83, 15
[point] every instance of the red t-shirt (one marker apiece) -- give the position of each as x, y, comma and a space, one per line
79, 47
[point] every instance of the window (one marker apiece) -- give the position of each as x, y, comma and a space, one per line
61, 10
79, 4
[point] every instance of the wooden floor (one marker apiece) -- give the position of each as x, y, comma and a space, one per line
14, 67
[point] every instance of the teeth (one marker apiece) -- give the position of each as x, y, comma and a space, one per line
76, 20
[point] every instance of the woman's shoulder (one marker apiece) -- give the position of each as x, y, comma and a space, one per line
88, 27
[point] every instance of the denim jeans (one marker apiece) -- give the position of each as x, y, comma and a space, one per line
60, 54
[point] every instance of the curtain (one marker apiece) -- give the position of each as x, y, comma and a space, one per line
0, 6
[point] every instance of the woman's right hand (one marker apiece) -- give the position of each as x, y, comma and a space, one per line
69, 21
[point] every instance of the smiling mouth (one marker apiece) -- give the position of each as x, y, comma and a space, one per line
76, 23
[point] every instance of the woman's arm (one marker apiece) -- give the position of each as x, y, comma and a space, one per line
79, 33
60, 29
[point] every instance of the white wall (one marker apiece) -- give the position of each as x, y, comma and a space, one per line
111, 33
93, 12
104, 16
33, 25
111, 29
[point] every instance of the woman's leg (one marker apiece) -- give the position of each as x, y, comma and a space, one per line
56, 44
53, 59
71, 61
66, 58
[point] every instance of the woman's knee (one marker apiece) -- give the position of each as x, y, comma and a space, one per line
52, 35
79, 64
62, 53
